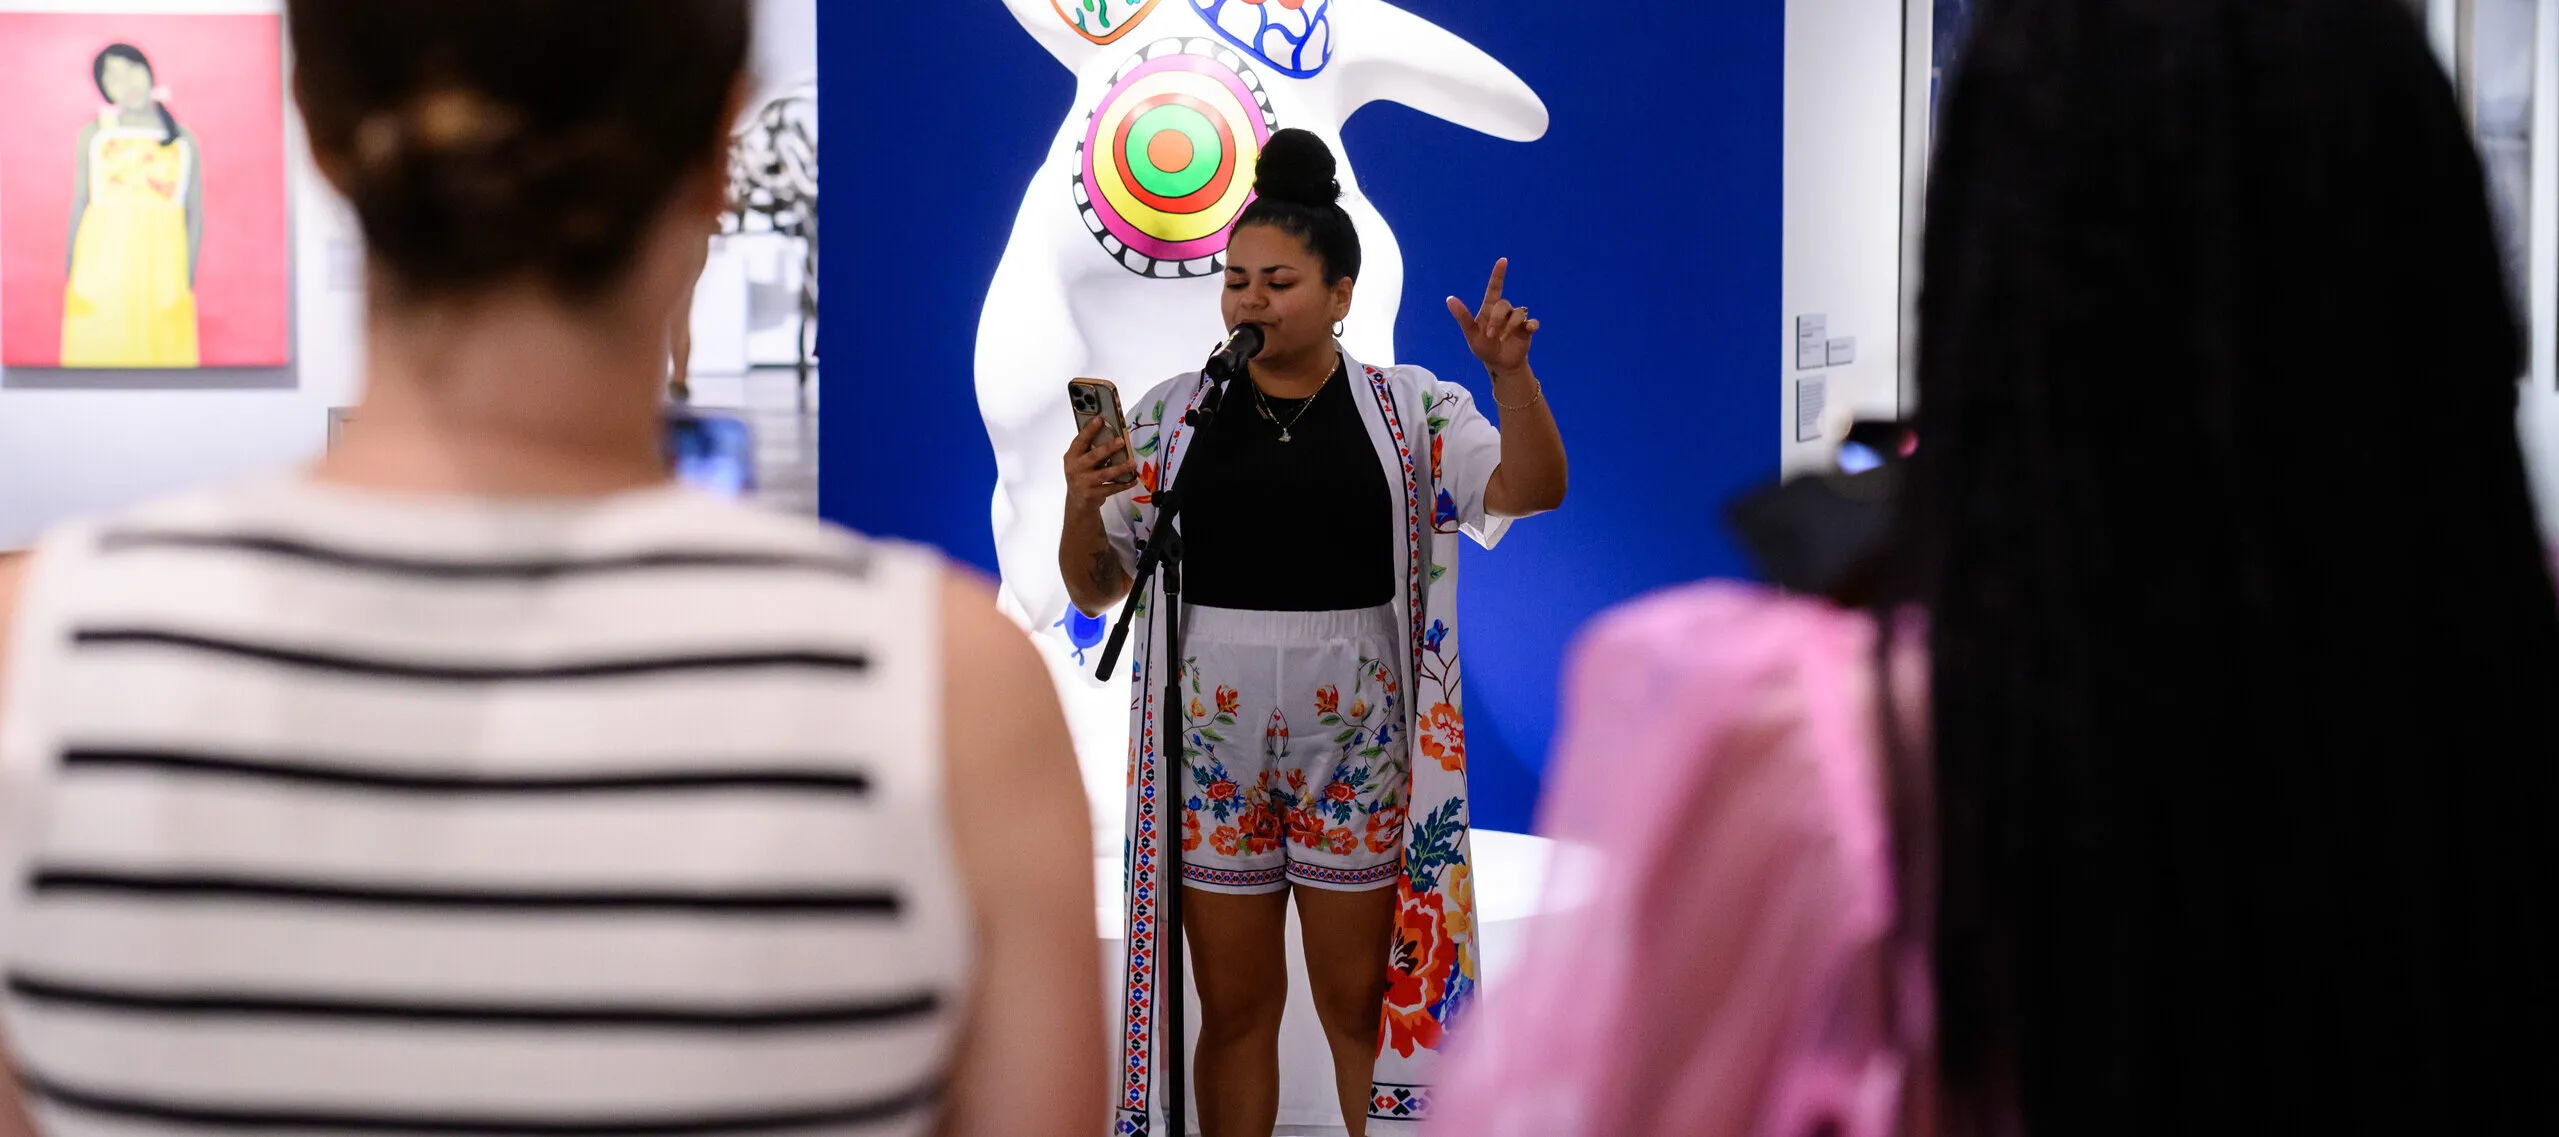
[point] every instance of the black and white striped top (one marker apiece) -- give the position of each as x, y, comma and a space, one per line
339, 812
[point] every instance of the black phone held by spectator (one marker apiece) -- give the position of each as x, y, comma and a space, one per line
1827, 532
712, 453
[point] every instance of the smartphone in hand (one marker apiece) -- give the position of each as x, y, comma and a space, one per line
1098, 399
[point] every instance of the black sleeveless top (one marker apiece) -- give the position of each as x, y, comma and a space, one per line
1306, 525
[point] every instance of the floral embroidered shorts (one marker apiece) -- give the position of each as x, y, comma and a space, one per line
1295, 753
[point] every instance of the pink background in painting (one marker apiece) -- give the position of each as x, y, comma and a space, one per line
225, 76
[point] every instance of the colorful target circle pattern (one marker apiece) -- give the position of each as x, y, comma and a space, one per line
1167, 160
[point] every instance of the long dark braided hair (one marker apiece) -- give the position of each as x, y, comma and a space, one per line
133, 55
2238, 802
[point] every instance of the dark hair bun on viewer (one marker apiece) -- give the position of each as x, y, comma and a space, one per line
1296, 167
484, 142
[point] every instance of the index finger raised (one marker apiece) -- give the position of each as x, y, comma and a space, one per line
1493, 287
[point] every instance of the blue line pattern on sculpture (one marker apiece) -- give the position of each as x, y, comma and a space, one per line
1296, 39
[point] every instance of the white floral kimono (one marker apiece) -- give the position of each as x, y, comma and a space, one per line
1439, 452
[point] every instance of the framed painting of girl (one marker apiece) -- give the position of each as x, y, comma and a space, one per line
143, 192
137, 227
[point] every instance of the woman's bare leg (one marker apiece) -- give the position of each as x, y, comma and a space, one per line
1346, 938
1239, 962
679, 333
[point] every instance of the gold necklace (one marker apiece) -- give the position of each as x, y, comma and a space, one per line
1308, 405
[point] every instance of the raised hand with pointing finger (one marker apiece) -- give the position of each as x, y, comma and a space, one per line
1531, 476
1499, 332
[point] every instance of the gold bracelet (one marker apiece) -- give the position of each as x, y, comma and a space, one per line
1539, 397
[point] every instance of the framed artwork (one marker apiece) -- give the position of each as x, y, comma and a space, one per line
143, 212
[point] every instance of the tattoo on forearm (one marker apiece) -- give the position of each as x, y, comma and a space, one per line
1105, 571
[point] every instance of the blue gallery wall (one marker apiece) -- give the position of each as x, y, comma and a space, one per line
1644, 230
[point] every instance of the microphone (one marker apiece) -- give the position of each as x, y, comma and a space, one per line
1225, 365
1241, 345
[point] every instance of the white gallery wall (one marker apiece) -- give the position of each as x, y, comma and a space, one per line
2540, 404
785, 44
70, 452
1843, 219
2538, 408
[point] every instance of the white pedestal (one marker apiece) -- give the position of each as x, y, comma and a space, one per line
719, 313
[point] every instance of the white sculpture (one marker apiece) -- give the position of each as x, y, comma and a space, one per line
1114, 263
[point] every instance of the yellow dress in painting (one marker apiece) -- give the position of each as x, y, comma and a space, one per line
130, 302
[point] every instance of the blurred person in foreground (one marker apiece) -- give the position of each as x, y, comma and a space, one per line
479, 779
2216, 787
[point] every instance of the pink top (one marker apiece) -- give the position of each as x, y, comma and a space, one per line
1714, 962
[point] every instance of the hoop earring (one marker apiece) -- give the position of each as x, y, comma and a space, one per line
1337, 329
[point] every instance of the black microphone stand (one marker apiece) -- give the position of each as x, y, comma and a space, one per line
1164, 551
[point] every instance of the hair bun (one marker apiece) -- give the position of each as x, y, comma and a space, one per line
1297, 167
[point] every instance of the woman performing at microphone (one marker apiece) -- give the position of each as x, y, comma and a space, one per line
1323, 746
